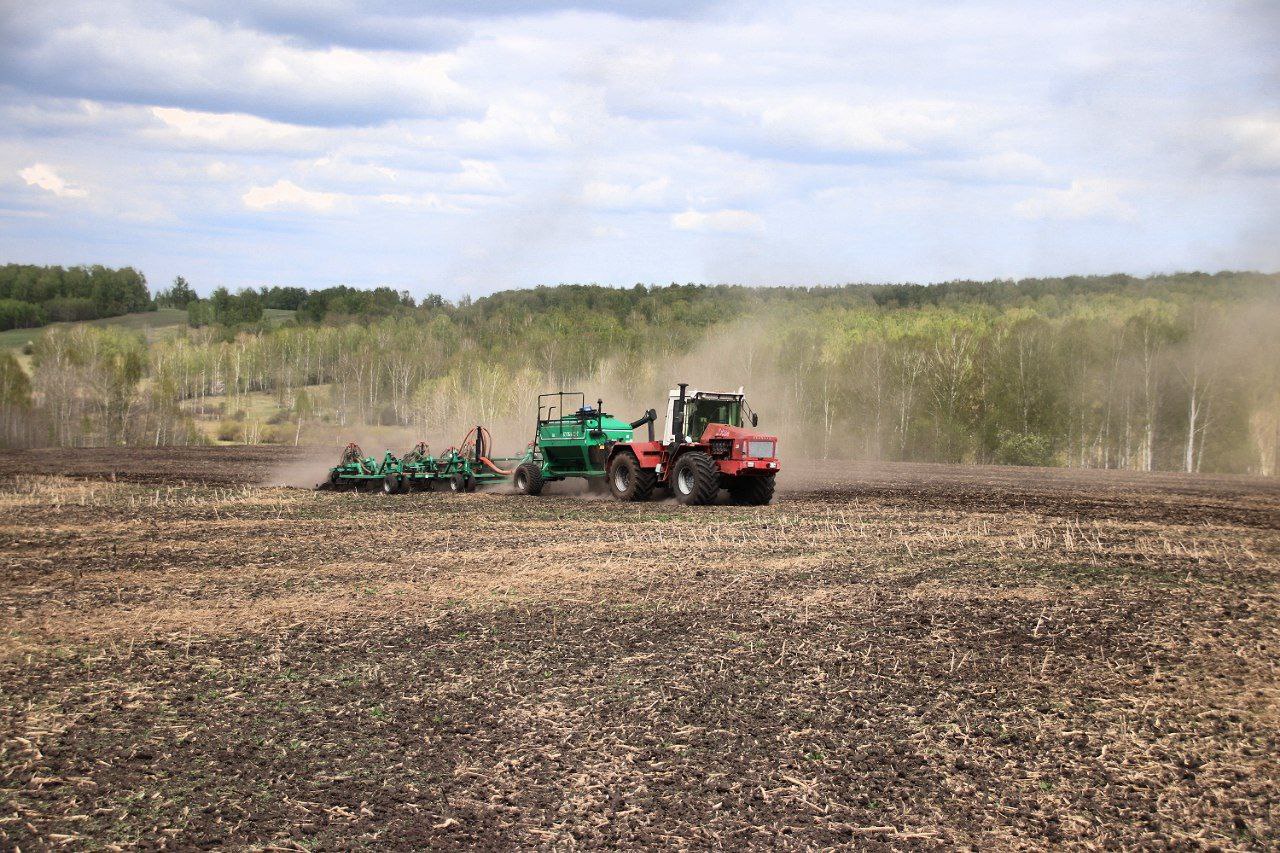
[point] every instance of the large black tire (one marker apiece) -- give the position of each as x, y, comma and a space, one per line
528, 478
391, 484
694, 479
752, 491
458, 483
627, 480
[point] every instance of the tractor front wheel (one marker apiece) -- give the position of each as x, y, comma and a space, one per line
627, 480
752, 491
694, 479
528, 479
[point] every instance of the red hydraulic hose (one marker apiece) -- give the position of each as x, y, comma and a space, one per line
487, 437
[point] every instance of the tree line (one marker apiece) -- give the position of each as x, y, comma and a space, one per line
1161, 373
32, 296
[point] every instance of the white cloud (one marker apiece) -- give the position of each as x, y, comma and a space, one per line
719, 221
43, 176
508, 127
1007, 167
230, 129
853, 128
612, 196
287, 194
1256, 143
478, 176
426, 201
131, 53
1084, 199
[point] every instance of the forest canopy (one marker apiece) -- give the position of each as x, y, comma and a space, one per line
33, 296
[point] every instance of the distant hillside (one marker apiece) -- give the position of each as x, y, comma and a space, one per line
1173, 372
153, 324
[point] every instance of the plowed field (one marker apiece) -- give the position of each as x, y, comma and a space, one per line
889, 655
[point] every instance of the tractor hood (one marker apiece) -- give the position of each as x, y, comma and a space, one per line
735, 434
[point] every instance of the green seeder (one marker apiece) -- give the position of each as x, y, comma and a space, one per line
572, 442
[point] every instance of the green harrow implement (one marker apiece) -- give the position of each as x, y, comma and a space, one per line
458, 469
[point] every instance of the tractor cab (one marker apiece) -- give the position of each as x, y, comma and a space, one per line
691, 412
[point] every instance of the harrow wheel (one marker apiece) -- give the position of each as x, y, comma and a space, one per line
528, 479
458, 483
694, 479
391, 484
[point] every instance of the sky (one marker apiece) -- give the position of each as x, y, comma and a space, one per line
462, 147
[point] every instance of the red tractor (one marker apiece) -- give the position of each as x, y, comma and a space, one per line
707, 446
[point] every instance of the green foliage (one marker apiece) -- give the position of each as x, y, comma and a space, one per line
231, 430
77, 293
350, 302
226, 309
16, 314
71, 309
284, 298
180, 295
1017, 449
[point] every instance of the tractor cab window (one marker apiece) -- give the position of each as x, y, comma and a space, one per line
703, 412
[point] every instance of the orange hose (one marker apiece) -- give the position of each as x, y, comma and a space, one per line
487, 437
495, 468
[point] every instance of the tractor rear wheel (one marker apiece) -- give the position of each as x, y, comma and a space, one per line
752, 491
528, 479
694, 479
627, 480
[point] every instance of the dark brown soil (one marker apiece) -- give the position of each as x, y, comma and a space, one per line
889, 656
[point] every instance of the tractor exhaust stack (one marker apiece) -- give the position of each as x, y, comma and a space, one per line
677, 417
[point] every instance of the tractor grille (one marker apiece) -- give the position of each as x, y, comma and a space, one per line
721, 448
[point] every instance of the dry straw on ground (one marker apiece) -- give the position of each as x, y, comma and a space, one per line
896, 655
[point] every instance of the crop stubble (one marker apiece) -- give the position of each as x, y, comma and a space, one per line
897, 655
